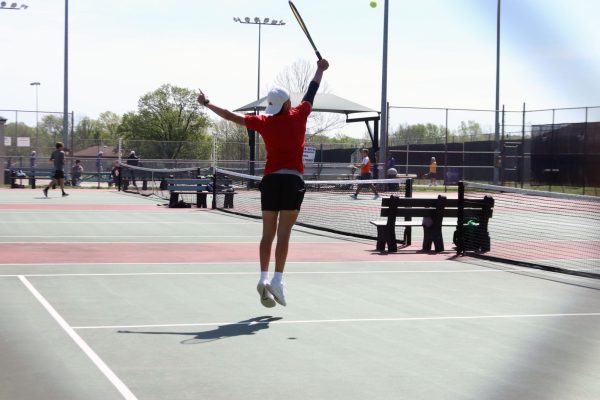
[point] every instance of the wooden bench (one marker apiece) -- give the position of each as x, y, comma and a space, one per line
200, 187
433, 214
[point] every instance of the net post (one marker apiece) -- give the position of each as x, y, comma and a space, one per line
214, 190
460, 237
408, 191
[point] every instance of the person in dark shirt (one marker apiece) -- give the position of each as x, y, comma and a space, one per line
134, 160
58, 158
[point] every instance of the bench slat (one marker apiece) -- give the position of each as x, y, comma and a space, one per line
189, 181
430, 212
188, 188
413, 202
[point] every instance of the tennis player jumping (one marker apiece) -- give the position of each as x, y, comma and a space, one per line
283, 130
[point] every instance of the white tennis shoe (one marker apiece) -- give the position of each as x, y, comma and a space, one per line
276, 289
266, 298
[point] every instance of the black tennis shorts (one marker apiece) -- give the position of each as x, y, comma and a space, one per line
58, 174
281, 192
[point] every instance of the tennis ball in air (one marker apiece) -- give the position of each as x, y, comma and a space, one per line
373, 4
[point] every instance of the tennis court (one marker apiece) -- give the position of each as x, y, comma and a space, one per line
107, 295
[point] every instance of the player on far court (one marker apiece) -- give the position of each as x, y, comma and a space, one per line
283, 129
58, 157
365, 173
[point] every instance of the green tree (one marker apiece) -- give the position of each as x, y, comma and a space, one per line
167, 125
418, 133
469, 130
109, 123
50, 127
232, 140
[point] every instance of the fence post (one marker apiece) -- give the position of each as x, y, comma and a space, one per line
446, 155
585, 168
460, 237
522, 166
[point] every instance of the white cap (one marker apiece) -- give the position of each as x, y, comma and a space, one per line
276, 98
132, 152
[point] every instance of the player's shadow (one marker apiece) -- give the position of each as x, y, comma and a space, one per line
241, 328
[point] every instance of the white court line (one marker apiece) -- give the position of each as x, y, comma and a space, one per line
114, 379
350, 320
367, 272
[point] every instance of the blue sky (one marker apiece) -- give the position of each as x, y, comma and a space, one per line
441, 52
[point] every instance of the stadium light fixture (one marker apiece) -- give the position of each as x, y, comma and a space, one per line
257, 21
13, 6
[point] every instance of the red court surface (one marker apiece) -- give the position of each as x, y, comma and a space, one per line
22, 253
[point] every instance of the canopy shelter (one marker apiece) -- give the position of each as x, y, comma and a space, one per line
324, 102
329, 103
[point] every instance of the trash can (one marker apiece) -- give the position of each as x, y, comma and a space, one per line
391, 174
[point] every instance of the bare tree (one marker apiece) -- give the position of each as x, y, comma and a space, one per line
296, 78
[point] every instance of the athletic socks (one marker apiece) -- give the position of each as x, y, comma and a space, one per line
277, 277
264, 276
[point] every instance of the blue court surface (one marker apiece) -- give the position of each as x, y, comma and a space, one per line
104, 295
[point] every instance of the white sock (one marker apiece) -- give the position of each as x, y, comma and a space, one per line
264, 276
277, 277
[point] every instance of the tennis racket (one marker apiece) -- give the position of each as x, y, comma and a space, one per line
304, 28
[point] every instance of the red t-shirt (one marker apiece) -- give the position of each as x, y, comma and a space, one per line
284, 137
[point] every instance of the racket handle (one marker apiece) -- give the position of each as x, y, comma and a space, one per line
318, 55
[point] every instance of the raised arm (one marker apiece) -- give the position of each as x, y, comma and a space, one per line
221, 112
313, 87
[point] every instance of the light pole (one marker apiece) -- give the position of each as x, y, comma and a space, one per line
13, 6
384, 106
260, 23
497, 110
257, 21
66, 80
37, 130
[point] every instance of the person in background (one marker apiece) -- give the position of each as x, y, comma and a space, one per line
115, 174
99, 166
391, 163
365, 173
134, 160
76, 172
58, 158
432, 172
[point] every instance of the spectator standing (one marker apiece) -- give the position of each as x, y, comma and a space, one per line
99, 166
115, 174
134, 160
391, 163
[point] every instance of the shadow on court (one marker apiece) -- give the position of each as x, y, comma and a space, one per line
241, 328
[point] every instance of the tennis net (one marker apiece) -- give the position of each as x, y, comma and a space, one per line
153, 181
327, 204
545, 230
